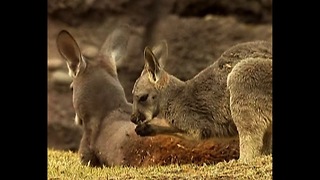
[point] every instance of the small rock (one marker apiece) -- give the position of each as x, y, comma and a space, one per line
54, 64
90, 51
61, 78
208, 17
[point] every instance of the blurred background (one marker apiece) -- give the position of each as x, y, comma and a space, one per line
197, 32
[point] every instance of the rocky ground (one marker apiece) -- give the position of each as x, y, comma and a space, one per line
197, 32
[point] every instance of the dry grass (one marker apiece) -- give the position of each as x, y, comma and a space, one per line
66, 165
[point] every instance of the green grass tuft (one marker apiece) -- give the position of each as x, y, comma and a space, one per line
66, 165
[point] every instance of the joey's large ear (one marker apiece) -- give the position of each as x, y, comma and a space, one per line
115, 46
160, 51
70, 51
151, 65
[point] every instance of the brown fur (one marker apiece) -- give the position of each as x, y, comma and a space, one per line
200, 108
109, 137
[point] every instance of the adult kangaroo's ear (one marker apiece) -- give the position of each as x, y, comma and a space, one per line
160, 51
70, 51
151, 65
115, 47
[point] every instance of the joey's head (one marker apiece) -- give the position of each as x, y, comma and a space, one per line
95, 85
148, 87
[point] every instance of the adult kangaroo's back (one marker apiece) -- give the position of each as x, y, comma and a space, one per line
231, 97
102, 110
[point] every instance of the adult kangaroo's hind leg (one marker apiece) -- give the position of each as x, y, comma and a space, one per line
250, 86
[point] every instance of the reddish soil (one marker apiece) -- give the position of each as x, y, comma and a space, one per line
170, 150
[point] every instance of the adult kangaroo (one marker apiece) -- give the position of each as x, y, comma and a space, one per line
230, 98
109, 137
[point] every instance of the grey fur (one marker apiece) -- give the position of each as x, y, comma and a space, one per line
99, 99
230, 98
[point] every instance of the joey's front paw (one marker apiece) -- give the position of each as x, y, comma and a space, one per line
144, 129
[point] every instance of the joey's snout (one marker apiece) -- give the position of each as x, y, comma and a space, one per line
137, 118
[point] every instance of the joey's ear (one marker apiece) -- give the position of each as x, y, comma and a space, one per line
151, 65
160, 51
70, 51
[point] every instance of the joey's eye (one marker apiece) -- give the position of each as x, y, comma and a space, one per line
143, 98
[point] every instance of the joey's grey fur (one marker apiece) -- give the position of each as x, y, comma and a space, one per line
98, 98
230, 98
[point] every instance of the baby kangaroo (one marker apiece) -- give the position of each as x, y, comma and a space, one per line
230, 98
98, 98
109, 137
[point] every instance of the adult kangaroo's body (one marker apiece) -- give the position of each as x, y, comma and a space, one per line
230, 98
102, 110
